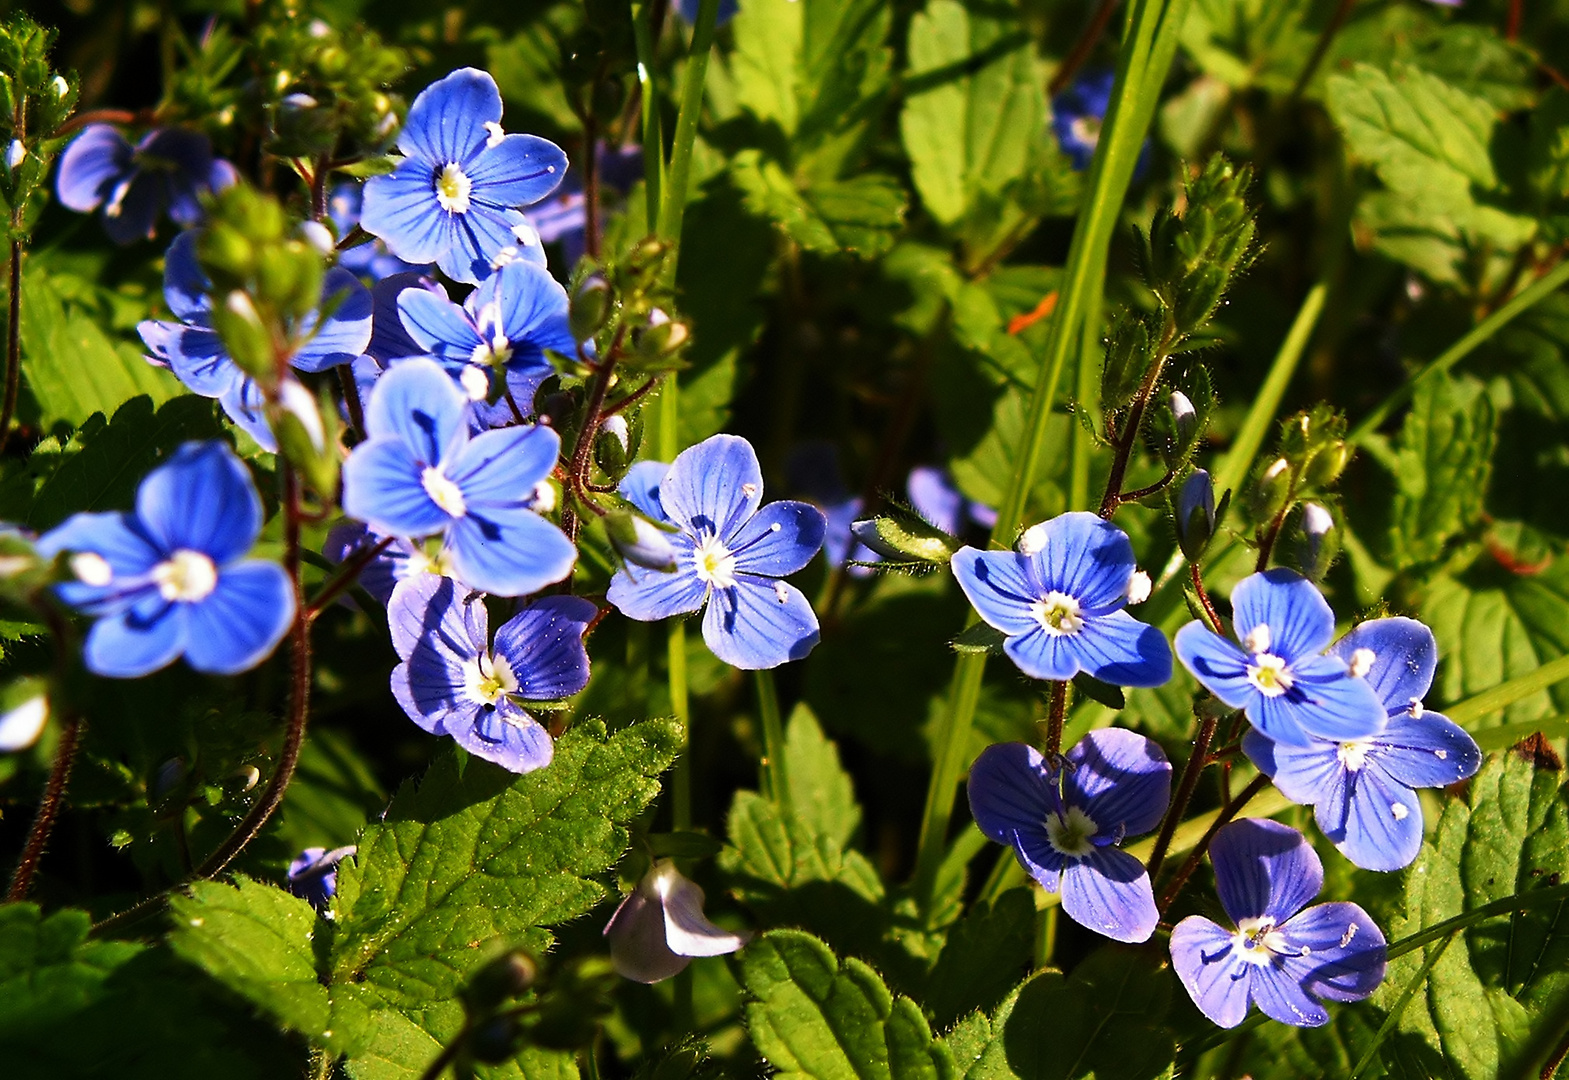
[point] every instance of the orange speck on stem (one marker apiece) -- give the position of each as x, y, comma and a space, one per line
1047, 305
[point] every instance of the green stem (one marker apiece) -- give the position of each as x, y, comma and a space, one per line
1556, 894
1149, 46
653, 137
681, 782
1399, 1007
776, 771
673, 203
1528, 297
1503, 695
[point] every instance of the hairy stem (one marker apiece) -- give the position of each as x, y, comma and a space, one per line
1113, 498
1179, 805
1196, 856
48, 809
1210, 615
1056, 713
13, 337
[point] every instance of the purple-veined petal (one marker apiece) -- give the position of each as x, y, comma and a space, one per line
1280, 997
346, 333
1311, 775
1010, 792
509, 551
1343, 952
446, 123
401, 208
96, 160
759, 623
544, 645
502, 468
714, 487
389, 339
1120, 779
1218, 981
159, 337
241, 622
999, 588
1382, 827
1040, 860
1083, 556
417, 403
184, 285
1120, 650
1299, 618
201, 499
132, 214
438, 326
1324, 701
1405, 655
640, 487
428, 612
532, 308
1043, 655
1217, 663
198, 358
650, 595
518, 171
479, 237
244, 404
507, 736
1431, 751
1108, 891
137, 641
779, 539
381, 487
430, 690
1264, 868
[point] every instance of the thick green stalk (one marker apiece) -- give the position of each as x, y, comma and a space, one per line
1147, 52
776, 771
673, 204
653, 137
1503, 695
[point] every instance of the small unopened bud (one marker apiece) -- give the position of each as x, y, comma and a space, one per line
503, 978
1196, 514
1318, 546
590, 307
1316, 521
14, 154
640, 542
1184, 417
61, 87
660, 927
318, 236
904, 540
1327, 465
26, 712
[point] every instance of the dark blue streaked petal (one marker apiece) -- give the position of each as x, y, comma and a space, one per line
381, 487
202, 499
346, 333
1083, 556
509, 552
447, 121
1108, 891
1216, 663
640, 487
1215, 977
1120, 650
518, 171
1120, 779
1429, 752
1299, 618
418, 404
241, 622
713, 487
544, 645
1405, 655
1264, 868
508, 736
999, 588
759, 623
96, 160
779, 539
184, 285
1343, 952
1010, 792
138, 641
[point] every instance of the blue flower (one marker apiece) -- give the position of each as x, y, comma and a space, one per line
1278, 677
660, 926
1078, 113
1282, 958
1059, 599
504, 326
935, 498
419, 473
169, 579
452, 683
1064, 822
399, 560
170, 168
454, 198
313, 876
730, 554
370, 260
688, 10
1362, 790
192, 349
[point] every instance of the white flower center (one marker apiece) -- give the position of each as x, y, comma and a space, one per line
715, 564
186, 575
1257, 941
489, 678
495, 352
443, 492
1268, 673
1353, 753
1070, 832
1058, 614
452, 189
1086, 129
91, 568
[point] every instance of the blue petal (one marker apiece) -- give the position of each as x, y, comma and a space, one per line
431, 613
509, 552
184, 285
137, 641
401, 208
518, 171
1120, 779
431, 690
1307, 775
1011, 792
714, 487
240, 623
1383, 822
935, 498
1216, 663
1120, 650
198, 358
759, 623
544, 645
1299, 618
1344, 952
649, 595
244, 404
500, 469
1280, 997
389, 339
1215, 978
998, 586
381, 487
95, 161
1264, 868
201, 499
533, 309
417, 403
508, 736
1043, 656
1405, 655
135, 216
1325, 700
1430, 752
1108, 891
159, 338
118, 538
1085, 557
640, 487
779, 539
346, 333
477, 238
438, 326
446, 123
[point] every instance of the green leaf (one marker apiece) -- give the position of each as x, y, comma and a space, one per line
860, 216
981, 638
73, 1007
72, 368
976, 105
821, 792
1511, 836
1441, 470
812, 1015
984, 956
1106, 1020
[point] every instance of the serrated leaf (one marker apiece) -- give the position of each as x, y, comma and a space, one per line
985, 954
860, 216
1511, 836
975, 108
821, 792
812, 1015
1441, 470
1106, 1020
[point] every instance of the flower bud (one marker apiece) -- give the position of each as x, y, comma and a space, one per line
660, 927
14, 155
318, 236
618, 443
640, 542
1184, 418
1317, 543
1196, 514
590, 307
1273, 489
906, 539
505, 977
25, 711
1326, 466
